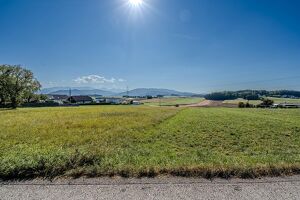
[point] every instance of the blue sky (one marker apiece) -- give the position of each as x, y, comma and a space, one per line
188, 45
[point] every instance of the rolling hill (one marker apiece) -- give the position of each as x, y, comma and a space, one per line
135, 92
77, 92
155, 92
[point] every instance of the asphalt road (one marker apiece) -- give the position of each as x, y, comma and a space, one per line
158, 188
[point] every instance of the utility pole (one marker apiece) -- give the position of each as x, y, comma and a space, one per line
70, 92
127, 91
159, 98
159, 101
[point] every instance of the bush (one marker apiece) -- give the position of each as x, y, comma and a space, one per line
46, 104
246, 105
267, 102
241, 105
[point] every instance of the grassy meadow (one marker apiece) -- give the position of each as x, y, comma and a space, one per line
285, 100
172, 101
148, 141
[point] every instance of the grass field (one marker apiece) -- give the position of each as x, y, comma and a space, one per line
285, 100
172, 101
148, 141
256, 102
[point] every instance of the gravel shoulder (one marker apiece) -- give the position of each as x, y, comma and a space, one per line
156, 188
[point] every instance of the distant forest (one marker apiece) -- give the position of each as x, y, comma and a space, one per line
252, 94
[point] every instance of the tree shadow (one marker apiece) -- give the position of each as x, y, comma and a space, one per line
6, 109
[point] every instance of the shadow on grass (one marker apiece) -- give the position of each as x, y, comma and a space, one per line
208, 173
43, 170
75, 169
5, 109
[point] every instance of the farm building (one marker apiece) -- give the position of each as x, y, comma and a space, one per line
136, 103
60, 99
289, 105
80, 99
99, 99
114, 100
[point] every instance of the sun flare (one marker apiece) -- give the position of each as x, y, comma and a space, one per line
135, 3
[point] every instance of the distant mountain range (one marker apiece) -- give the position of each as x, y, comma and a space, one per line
155, 92
135, 92
55, 89
76, 92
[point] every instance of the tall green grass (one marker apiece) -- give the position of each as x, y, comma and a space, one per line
51, 141
147, 141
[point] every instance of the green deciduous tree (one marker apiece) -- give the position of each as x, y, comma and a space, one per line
17, 84
4, 74
267, 102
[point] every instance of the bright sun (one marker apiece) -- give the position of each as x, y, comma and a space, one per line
136, 2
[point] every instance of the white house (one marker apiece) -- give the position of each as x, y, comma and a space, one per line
136, 103
60, 99
114, 100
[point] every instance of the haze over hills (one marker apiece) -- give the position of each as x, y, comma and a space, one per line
135, 92
55, 89
155, 92
77, 92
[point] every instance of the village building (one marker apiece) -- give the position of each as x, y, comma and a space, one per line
289, 105
114, 100
136, 103
80, 99
60, 99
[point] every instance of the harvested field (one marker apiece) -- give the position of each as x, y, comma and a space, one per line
172, 101
210, 103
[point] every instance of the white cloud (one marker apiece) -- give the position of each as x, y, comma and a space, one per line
96, 79
121, 80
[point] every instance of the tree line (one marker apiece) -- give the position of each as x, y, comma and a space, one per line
250, 94
17, 85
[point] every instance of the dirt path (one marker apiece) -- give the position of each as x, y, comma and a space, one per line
210, 103
205, 104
